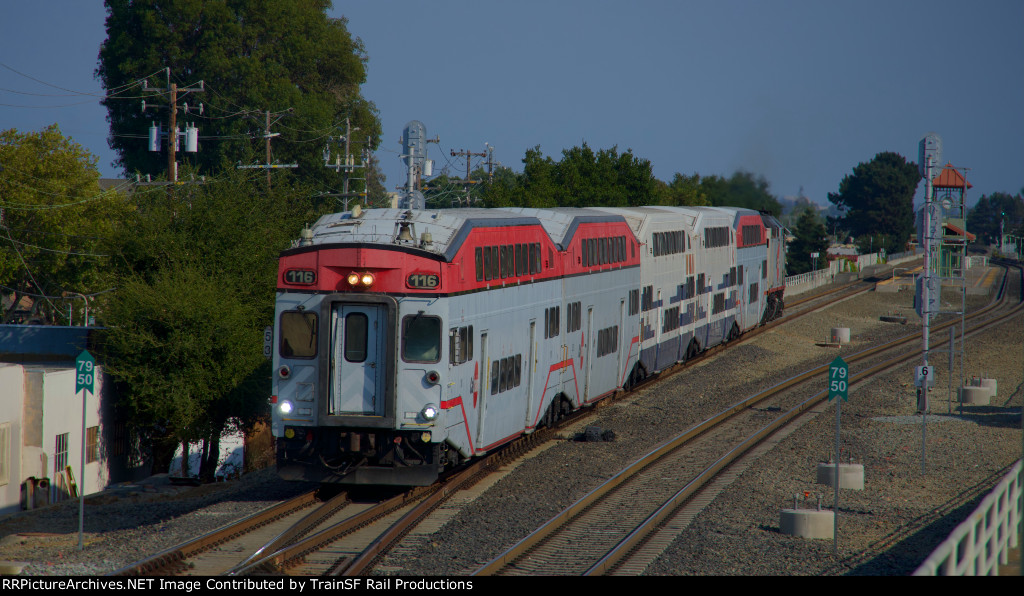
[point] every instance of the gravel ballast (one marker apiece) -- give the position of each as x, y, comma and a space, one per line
886, 529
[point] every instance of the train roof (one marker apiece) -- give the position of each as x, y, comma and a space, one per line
442, 231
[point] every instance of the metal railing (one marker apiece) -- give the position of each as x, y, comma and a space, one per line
980, 544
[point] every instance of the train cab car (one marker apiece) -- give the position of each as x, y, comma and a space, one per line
409, 341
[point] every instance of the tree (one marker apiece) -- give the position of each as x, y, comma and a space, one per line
993, 211
809, 237
683, 191
57, 226
741, 190
196, 282
254, 56
878, 198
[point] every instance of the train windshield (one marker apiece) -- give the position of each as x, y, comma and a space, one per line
421, 339
298, 334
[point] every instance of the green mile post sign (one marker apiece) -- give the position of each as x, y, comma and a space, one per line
838, 379
85, 372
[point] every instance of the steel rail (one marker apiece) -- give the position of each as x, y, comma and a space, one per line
572, 511
177, 554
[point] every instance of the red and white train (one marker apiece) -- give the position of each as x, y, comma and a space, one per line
408, 341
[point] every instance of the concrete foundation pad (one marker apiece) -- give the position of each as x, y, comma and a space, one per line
851, 476
807, 523
975, 396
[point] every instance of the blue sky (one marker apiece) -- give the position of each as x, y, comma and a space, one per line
799, 91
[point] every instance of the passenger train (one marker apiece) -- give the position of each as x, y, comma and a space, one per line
408, 341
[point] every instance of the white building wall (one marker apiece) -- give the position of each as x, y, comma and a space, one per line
12, 392
62, 413
26, 393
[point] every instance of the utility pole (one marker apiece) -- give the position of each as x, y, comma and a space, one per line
268, 136
467, 182
172, 130
348, 166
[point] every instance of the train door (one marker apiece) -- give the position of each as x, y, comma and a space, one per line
357, 363
485, 389
622, 335
587, 353
531, 367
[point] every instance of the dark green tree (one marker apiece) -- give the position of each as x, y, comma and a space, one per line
57, 228
809, 236
683, 191
878, 198
285, 57
195, 287
742, 189
995, 210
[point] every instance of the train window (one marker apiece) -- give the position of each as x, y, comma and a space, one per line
495, 257
634, 302
356, 325
520, 260
671, 321
573, 317
494, 377
479, 264
504, 261
535, 257
518, 368
732, 276
764, 269
460, 344
503, 375
298, 334
719, 303
551, 258
647, 302
691, 288
421, 338
753, 293
700, 284
739, 275
607, 341
487, 263
551, 322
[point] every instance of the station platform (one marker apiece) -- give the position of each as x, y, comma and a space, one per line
978, 280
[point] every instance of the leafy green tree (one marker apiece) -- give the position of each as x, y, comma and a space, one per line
742, 189
878, 198
254, 56
683, 191
196, 282
995, 210
809, 237
56, 228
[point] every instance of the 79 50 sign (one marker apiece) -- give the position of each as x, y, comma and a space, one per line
838, 380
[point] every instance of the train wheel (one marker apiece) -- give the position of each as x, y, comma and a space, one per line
692, 350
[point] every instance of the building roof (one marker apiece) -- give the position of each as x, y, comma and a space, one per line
950, 178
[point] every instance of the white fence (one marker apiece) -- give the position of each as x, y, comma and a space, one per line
980, 544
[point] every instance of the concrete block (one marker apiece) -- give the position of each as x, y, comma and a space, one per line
975, 396
807, 523
851, 476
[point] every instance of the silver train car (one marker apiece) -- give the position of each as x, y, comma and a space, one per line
408, 341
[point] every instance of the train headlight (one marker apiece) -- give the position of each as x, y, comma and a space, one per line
433, 377
356, 279
286, 407
430, 412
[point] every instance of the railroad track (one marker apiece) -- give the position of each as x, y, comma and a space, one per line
344, 538
624, 524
